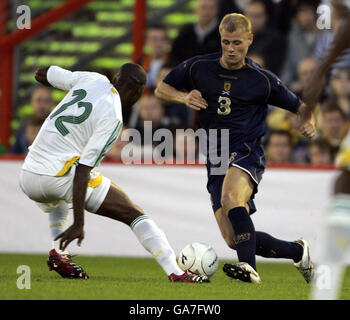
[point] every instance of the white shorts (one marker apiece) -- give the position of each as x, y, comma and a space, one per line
49, 191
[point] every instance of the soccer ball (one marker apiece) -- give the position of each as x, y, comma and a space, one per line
199, 258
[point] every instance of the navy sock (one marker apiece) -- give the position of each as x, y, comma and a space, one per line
244, 235
270, 247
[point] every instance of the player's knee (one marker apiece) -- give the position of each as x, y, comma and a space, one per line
231, 200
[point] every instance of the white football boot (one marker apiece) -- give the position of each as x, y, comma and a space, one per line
305, 265
241, 271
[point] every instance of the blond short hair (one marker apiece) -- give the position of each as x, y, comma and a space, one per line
235, 21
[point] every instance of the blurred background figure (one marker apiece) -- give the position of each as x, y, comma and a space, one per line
320, 152
325, 42
42, 103
333, 125
258, 58
279, 147
340, 90
158, 44
199, 38
239, 6
305, 70
267, 41
302, 39
229, 6
150, 109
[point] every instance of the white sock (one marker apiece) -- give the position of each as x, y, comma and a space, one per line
154, 241
58, 219
335, 247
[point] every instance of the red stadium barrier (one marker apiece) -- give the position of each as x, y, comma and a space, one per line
139, 26
292, 166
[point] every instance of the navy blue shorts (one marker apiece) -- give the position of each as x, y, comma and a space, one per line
249, 157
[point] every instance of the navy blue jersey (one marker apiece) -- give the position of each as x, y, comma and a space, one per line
237, 99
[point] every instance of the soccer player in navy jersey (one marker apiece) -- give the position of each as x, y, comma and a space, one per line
232, 92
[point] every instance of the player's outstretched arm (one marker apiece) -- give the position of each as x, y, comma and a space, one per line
41, 76
76, 230
192, 99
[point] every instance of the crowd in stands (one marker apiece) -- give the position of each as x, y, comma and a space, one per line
287, 41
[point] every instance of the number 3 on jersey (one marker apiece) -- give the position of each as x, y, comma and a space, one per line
225, 104
79, 95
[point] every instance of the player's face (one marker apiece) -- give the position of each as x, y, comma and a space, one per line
234, 48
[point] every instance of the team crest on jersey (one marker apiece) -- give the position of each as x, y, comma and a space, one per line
227, 88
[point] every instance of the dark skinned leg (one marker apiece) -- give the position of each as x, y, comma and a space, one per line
118, 206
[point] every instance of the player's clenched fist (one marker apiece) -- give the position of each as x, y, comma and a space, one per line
195, 100
308, 129
307, 122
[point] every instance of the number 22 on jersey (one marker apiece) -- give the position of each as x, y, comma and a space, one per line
79, 95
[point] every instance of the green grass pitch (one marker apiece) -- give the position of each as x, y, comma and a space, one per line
143, 279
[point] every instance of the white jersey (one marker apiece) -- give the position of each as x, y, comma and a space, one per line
82, 127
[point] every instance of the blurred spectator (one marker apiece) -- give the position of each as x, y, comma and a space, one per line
239, 6
199, 38
333, 126
42, 103
279, 147
340, 89
325, 42
320, 152
230, 6
301, 40
283, 120
305, 70
267, 41
158, 43
258, 58
150, 109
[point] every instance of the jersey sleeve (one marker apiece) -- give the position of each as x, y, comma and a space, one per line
280, 96
65, 80
180, 78
106, 133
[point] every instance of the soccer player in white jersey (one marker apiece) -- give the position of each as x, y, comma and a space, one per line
335, 243
58, 170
